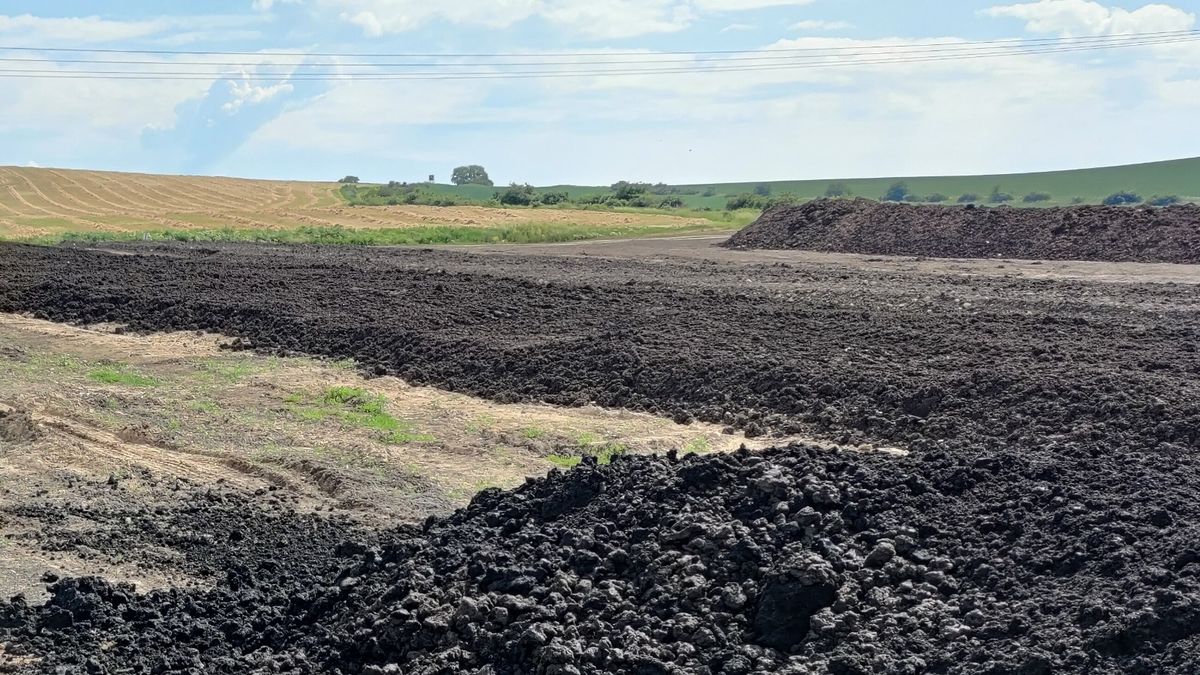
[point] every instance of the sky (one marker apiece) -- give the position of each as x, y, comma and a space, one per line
1000, 115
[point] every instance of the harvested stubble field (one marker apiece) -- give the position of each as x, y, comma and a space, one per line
52, 203
1038, 512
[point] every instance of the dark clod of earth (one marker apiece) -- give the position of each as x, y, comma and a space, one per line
17, 426
1104, 233
1045, 520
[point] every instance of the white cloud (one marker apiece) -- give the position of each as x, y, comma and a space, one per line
1085, 17
245, 92
620, 18
594, 18
268, 5
33, 165
28, 29
737, 27
743, 5
817, 24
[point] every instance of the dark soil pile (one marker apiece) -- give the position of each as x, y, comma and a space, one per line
1105, 233
176, 527
1045, 521
16, 426
795, 561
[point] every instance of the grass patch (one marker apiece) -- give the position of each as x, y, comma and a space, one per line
481, 424
533, 433
565, 461
356, 407
603, 452
231, 372
525, 233
698, 445
207, 407
122, 377
587, 439
341, 458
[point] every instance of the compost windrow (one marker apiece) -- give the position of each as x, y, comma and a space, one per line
1103, 233
1044, 520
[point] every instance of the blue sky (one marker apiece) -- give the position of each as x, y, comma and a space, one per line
1014, 114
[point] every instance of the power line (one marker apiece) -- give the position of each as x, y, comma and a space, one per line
296, 54
652, 58
842, 61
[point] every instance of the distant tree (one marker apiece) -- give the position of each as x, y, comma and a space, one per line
627, 190
1166, 200
935, 198
349, 179
516, 195
709, 192
837, 190
968, 198
1034, 197
1077, 200
898, 192
1122, 198
762, 190
998, 197
472, 174
671, 203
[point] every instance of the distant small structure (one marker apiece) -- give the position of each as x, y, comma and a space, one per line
431, 178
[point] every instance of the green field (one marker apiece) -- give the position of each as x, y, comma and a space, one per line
1175, 177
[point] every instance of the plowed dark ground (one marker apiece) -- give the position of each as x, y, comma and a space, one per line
1046, 519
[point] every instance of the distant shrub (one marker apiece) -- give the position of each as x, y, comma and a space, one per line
935, 198
349, 179
1122, 198
664, 189
709, 192
898, 192
785, 199
671, 203
967, 198
516, 195
998, 197
552, 198
1077, 200
762, 190
1166, 200
838, 189
1033, 197
745, 201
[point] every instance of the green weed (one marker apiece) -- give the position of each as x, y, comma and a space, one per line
604, 455
698, 445
481, 424
122, 377
205, 406
533, 433
356, 407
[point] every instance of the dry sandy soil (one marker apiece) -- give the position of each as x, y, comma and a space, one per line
38, 202
90, 405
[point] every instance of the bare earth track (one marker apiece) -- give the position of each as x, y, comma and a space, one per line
1044, 520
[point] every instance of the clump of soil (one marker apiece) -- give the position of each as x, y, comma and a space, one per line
17, 426
797, 560
1104, 233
